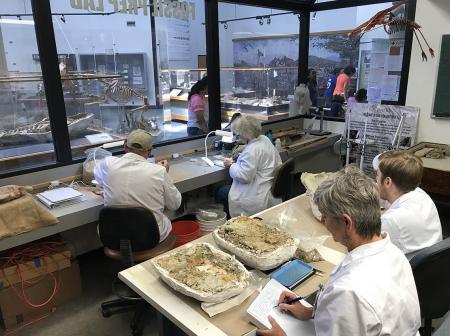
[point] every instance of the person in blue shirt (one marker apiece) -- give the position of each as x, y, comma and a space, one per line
331, 84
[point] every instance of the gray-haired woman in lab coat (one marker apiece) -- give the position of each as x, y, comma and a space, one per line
253, 171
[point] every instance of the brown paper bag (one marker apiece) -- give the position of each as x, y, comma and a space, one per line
22, 215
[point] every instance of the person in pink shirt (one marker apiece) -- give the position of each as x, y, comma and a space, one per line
197, 106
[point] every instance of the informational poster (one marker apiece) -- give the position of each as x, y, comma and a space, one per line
380, 126
385, 69
178, 40
364, 68
380, 50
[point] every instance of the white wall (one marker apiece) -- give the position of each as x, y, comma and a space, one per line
434, 17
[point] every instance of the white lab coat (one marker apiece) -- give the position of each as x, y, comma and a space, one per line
252, 176
371, 292
412, 222
132, 180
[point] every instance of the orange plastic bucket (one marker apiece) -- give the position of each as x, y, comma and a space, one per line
185, 231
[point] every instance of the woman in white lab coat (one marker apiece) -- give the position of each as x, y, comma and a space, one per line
372, 291
253, 171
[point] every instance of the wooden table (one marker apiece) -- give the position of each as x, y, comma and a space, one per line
186, 312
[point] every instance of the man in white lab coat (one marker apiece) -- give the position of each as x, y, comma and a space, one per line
411, 220
372, 291
253, 171
132, 180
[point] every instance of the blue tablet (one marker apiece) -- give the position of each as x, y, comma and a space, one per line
292, 273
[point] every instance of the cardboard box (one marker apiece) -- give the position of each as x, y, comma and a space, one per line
16, 312
32, 269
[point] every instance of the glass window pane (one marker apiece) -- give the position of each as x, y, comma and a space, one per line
120, 66
258, 60
376, 56
181, 51
25, 136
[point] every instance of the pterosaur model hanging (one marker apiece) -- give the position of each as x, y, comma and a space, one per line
393, 24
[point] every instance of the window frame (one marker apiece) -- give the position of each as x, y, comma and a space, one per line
45, 37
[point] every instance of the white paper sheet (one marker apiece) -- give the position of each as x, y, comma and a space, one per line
98, 138
389, 88
380, 45
378, 60
376, 76
395, 62
175, 92
264, 305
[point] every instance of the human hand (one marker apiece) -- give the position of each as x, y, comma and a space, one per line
227, 162
165, 164
274, 331
296, 309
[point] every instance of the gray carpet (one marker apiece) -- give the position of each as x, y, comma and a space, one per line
82, 317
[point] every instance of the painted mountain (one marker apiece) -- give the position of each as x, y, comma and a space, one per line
326, 52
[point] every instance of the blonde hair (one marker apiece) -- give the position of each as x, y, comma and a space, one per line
404, 169
247, 127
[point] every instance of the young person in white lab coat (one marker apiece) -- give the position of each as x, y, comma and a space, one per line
372, 291
411, 220
132, 180
253, 171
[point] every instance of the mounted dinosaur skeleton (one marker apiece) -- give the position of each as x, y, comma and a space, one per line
392, 24
122, 94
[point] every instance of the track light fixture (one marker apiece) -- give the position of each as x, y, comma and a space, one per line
261, 22
63, 19
269, 20
225, 25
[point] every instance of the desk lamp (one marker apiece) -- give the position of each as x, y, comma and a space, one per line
219, 133
320, 131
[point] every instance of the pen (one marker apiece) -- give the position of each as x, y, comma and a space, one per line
290, 301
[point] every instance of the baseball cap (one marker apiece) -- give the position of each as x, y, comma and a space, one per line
140, 140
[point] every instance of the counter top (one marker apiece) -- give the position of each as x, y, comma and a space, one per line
187, 175
295, 215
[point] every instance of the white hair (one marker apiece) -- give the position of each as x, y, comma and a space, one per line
351, 192
247, 127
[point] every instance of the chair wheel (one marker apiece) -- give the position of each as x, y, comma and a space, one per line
106, 313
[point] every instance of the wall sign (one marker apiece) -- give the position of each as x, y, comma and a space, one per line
181, 10
177, 9
379, 125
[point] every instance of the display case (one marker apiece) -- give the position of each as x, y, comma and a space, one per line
24, 110
263, 92
95, 103
175, 86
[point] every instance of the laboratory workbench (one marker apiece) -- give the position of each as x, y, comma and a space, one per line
187, 175
294, 215
189, 172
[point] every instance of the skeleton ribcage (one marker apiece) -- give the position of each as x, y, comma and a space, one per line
121, 93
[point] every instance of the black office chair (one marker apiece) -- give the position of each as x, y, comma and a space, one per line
130, 234
282, 181
431, 269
